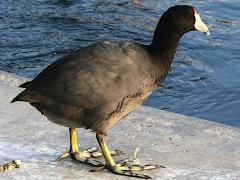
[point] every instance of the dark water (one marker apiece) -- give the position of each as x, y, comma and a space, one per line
204, 79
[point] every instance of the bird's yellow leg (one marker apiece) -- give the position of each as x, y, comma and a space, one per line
73, 140
121, 168
84, 156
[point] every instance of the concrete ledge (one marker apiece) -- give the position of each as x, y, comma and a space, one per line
189, 148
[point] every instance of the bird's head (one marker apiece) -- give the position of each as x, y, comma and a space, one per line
185, 18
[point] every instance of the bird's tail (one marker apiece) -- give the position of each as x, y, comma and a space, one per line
28, 96
23, 96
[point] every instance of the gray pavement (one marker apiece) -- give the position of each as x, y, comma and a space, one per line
189, 148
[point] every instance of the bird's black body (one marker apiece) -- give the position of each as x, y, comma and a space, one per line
98, 85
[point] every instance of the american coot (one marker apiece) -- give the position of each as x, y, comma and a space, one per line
98, 85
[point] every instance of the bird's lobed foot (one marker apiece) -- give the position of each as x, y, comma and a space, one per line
82, 156
87, 156
126, 168
127, 171
131, 165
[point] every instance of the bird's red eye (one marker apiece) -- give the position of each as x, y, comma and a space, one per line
188, 17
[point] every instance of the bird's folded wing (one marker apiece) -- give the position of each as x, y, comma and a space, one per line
89, 78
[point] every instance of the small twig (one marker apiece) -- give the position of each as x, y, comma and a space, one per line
135, 159
10, 166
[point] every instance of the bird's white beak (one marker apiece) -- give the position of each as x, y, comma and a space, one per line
199, 24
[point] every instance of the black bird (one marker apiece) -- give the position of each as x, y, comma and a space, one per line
98, 85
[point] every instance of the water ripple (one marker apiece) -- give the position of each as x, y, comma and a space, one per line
204, 78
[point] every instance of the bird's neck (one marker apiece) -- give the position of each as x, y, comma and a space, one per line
165, 41
162, 50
